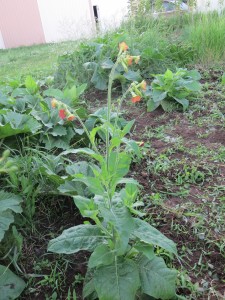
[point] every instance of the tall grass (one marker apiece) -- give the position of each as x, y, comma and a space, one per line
206, 34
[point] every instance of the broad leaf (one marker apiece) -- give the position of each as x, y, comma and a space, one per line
148, 234
151, 105
10, 201
15, 123
120, 218
158, 95
31, 85
117, 282
56, 93
101, 256
157, 280
11, 286
6, 218
74, 239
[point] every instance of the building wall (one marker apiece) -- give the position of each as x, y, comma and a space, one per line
66, 19
20, 23
2, 44
210, 5
111, 12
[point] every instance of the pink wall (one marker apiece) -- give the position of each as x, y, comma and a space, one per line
20, 23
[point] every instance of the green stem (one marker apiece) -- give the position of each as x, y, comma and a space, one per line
87, 133
109, 102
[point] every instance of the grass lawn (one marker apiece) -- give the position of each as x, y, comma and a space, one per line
39, 60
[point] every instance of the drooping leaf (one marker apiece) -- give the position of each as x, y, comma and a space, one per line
10, 201
15, 123
151, 105
11, 286
150, 235
117, 282
74, 239
6, 218
157, 280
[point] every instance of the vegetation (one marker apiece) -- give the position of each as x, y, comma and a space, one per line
123, 201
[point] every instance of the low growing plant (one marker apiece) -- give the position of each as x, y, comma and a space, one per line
11, 286
124, 263
172, 90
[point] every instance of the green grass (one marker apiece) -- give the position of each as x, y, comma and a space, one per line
38, 60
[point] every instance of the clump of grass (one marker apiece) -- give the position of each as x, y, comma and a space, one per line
206, 34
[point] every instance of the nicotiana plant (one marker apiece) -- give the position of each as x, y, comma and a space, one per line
173, 90
124, 262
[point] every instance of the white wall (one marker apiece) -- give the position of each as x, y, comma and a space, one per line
111, 12
66, 19
209, 5
2, 45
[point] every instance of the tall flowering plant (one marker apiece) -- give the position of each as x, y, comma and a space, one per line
123, 263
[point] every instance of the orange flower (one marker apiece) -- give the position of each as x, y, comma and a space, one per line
123, 46
70, 118
54, 103
62, 114
129, 60
143, 85
136, 99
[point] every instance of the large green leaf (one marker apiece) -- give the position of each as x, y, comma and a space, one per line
117, 282
15, 123
101, 256
151, 105
150, 235
6, 218
11, 286
120, 218
10, 201
157, 280
74, 239
31, 85
158, 95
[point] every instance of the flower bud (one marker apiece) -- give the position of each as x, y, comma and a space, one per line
54, 103
123, 46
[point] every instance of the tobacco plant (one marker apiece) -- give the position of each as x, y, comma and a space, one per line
173, 90
124, 262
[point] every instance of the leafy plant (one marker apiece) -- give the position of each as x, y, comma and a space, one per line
24, 110
172, 90
123, 262
11, 286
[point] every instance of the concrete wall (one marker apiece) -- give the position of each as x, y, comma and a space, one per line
210, 5
20, 23
111, 12
66, 19
2, 44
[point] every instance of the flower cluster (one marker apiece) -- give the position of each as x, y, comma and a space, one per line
64, 112
126, 60
137, 90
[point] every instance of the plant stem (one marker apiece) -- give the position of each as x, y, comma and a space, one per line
87, 133
109, 102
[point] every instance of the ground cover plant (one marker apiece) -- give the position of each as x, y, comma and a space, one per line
169, 178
